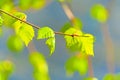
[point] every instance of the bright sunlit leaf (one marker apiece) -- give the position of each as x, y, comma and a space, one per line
48, 33
11, 22
40, 66
99, 12
88, 44
17, 26
14, 43
73, 42
26, 33
51, 44
45, 32
20, 15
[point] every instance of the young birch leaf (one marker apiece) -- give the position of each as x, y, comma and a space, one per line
51, 44
26, 33
87, 44
73, 42
17, 24
45, 32
9, 21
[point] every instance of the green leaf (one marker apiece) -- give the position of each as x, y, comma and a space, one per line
25, 4
6, 5
77, 63
73, 42
38, 4
26, 33
99, 12
1, 20
14, 43
66, 27
109, 77
51, 44
40, 66
77, 24
20, 15
87, 44
40, 76
6, 68
45, 32
9, 21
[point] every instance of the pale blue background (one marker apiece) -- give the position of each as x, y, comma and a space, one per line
53, 16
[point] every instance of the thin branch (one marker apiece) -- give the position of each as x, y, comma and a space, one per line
19, 19
68, 11
37, 27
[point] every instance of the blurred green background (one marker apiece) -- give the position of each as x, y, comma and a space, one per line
53, 15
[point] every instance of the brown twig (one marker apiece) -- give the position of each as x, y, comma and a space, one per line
19, 19
37, 27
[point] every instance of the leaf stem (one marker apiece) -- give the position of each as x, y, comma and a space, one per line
37, 27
